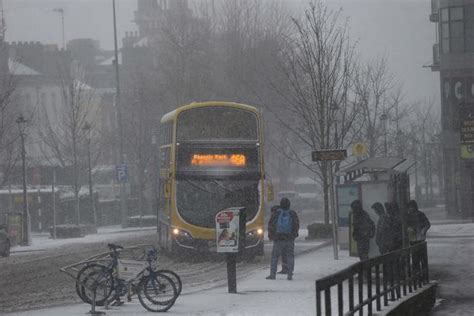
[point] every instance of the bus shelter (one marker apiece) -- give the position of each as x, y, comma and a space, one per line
371, 180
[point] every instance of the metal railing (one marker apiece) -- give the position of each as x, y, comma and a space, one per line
379, 280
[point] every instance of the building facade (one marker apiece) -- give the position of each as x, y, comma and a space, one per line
453, 58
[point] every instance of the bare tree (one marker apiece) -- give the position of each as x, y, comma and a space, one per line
9, 152
62, 135
318, 109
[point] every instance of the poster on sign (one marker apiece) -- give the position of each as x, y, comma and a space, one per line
227, 231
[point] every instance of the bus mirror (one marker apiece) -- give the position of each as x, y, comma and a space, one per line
270, 194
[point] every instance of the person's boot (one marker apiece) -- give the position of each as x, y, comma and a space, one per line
283, 271
289, 277
270, 277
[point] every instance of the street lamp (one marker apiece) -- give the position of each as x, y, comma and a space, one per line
383, 118
87, 130
26, 236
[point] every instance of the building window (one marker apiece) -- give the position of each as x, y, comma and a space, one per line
452, 30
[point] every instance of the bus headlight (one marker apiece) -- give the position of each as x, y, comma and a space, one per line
260, 231
181, 233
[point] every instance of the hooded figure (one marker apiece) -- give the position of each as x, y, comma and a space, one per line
394, 232
363, 229
283, 228
382, 236
417, 223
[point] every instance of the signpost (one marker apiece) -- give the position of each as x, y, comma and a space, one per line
467, 132
230, 239
122, 173
331, 155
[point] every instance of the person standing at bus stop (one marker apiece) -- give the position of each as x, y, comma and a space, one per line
284, 261
363, 229
283, 228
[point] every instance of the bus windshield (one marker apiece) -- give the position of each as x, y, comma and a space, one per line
198, 201
216, 123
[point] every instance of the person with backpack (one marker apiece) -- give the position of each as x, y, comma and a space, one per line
284, 261
363, 229
283, 228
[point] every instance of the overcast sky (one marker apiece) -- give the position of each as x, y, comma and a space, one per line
399, 29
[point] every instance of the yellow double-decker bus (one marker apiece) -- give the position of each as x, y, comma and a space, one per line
211, 158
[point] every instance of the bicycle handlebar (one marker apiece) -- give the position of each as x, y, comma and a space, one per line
114, 247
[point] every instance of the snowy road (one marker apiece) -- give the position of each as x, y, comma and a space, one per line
32, 280
452, 265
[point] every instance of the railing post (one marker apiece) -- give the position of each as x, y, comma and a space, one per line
318, 301
327, 301
377, 286
369, 289
361, 288
340, 299
385, 281
405, 272
351, 293
425, 262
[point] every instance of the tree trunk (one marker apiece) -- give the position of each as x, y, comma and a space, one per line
325, 193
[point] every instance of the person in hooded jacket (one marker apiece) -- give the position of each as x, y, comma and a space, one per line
395, 228
283, 242
363, 229
284, 261
417, 223
382, 236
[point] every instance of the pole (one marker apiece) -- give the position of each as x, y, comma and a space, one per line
91, 193
26, 217
118, 104
333, 213
54, 203
62, 24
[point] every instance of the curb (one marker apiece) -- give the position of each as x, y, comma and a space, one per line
449, 236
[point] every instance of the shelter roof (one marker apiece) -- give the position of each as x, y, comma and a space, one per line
389, 165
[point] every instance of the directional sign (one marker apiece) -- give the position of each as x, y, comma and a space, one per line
329, 154
122, 173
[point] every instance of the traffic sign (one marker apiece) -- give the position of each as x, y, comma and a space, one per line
359, 149
329, 154
122, 173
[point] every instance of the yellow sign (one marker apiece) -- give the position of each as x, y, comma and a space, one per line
467, 151
359, 149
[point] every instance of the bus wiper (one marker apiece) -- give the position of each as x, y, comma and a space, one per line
197, 186
221, 186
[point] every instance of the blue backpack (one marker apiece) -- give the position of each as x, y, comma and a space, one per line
284, 222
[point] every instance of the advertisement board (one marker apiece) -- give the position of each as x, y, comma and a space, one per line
227, 231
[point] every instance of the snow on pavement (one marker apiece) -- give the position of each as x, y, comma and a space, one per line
451, 230
256, 295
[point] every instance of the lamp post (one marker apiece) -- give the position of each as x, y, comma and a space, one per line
118, 104
61, 11
26, 236
383, 118
87, 130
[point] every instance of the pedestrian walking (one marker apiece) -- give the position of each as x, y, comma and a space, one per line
417, 223
363, 229
284, 262
382, 236
394, 226
283, 228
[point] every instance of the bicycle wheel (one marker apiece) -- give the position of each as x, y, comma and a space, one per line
175, 277
94, 277
157, 292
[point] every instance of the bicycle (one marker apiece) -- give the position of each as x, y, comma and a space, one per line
96, 283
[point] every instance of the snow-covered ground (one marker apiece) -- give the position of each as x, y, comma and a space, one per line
44, 241
452, 230
256, 295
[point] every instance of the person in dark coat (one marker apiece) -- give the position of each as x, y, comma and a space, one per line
363, 229
284, 263
417, 223
283, 242
382, 233
395, 226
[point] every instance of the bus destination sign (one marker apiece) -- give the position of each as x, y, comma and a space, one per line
329, 154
